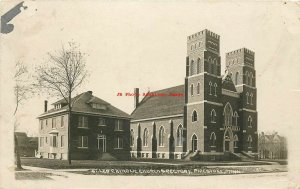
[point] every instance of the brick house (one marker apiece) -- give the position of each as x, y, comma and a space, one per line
215, 118
98, 130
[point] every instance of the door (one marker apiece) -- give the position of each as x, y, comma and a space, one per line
101, 143
227, 145
194, 143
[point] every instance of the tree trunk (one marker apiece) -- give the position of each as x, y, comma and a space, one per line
69, 131
17, 153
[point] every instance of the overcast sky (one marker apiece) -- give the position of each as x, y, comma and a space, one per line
144, 45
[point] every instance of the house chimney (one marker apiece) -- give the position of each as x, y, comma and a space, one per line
45, 106
136, 97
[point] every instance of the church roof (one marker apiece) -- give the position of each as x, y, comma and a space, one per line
157, 106
81, 103
227, 83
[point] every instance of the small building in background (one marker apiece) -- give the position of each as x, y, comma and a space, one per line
272, 146
27, 145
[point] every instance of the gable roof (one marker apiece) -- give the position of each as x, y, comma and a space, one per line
227, 83
157, 106
81, 104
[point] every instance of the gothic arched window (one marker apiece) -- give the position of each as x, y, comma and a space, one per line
246, 77
247, 96
213, 116
198, 65
212, 139
161, 136
194, 116
145, 137
250, 78
215, 85
210, 88
235, 141
251, 98
249, 121
228, 115
192, 68
179, 135
192, 89
235, 116
249, 140
236, 77
198, 88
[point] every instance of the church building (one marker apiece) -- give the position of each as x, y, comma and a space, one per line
215, 119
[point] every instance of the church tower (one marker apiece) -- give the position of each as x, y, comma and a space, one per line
240, 65
202, 91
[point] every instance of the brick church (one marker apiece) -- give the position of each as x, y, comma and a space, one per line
215, 119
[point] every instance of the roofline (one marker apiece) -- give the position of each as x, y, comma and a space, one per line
154, 118
78, 112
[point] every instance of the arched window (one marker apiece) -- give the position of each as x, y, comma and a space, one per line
198, 65
192, 89
215, 70
247, 96
228, 115
218, 68
212, 63
145, 137
212, 139
161, 136
192, 68
236, 77
198, 88
246, 77
131, 137
194, 143
210, 88
235, 141
209, 65
249, 140
251, 98
249, 121
213, 116
253, 80
179, 135
235, 116
215, 85
194, 116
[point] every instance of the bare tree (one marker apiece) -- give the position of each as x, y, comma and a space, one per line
61, 76
22, 91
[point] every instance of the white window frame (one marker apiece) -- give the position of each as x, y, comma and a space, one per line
161, 136
213, 116
215, 86
210, 88
120, 143
145, 137
104, 120
82, 142
213, 134
84, 122
62, 141
198, 88
118, 126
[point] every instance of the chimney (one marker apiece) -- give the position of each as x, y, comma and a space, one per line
45, 106
136, 97
91, 92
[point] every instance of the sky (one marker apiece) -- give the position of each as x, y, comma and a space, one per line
143, 44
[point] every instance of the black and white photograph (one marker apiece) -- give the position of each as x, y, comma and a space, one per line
150, 94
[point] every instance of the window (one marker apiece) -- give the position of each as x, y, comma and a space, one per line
209, 64
192, 89
46, 122
131, 137
198, 65
53, 123
41, 123
210, 88
215, 89
253, 80
228, 115
118, 143
250, 79
251, 98
180, 136
61, 121
247, 96
213, 139
235, 117
101, 122
41, 141
192, 68
198, 88
98, 106
118, 125
246, 76
82, 122
53, 141
145, 141
194, 116
236, 77
249, 121
161, 136
249, 140
235, 141
213, 116
62, 140
82, 142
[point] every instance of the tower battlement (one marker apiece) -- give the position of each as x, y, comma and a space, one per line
239, 51
206, 31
